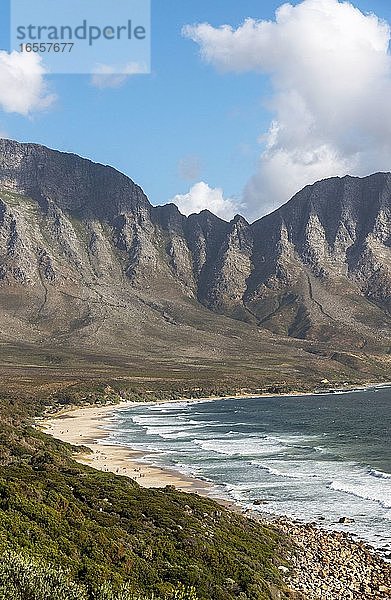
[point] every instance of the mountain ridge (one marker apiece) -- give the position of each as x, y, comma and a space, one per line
4, 142
86, 261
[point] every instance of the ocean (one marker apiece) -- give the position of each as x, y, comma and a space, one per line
313, 458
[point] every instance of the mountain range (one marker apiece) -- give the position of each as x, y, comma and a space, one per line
89, 268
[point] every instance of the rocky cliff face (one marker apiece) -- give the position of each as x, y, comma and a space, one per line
83, 253
327, 269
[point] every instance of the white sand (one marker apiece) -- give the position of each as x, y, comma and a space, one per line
84, 427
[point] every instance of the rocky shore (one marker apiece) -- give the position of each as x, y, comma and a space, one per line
333, 566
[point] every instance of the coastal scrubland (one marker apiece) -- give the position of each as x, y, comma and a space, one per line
95, 535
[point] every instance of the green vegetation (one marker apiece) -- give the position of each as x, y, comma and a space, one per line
96, 536
22, 577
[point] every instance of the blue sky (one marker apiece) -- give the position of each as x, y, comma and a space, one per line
184, 110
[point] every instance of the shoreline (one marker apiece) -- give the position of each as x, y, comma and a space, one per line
85, 427
122, 460
323, 564
125, 461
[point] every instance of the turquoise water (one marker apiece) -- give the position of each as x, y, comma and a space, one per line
314, 458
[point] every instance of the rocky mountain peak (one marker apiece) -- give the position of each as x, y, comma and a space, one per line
74, 184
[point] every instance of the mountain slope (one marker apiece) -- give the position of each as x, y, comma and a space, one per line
87, 263
330, 266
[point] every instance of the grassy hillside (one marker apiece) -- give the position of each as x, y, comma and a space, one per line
112, 539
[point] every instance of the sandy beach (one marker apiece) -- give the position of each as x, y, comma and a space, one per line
85, 427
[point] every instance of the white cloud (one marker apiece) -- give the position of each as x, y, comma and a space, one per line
201, 197
111, 76
23, 88
331, 74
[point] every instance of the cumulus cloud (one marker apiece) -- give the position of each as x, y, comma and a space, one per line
111, 76
201, 197
23, 88
330, 70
